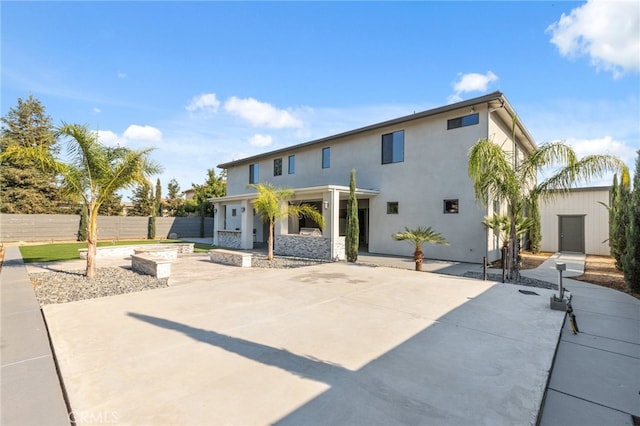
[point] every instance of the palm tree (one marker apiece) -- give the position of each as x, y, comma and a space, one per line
93, 173
498, 175
501, 225
271, 206
417, 237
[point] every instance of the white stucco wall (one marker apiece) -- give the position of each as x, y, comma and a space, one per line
434, 169
582, 201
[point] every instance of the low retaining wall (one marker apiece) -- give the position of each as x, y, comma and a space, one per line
230, 239
106, 252
303, 246
230, 257
151, 265
166, 253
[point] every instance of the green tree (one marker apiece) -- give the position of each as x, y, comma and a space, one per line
417, 237
352, 234
620, 207
631, 258
213, 187
84, 221
142, 199
271, 205
26, 188
497, 175
112, 206
158, 198
535, 233
175, 202
92, 173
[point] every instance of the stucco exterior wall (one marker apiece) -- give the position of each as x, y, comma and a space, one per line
434, 169
584, 201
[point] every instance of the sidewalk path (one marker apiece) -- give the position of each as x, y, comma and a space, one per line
596, 374
31, 391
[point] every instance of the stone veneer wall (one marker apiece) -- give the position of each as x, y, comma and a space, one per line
341, 248
159, 268
303, 246
229, 239
228, 257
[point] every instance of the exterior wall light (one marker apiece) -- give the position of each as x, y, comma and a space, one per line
242, 209
326, 204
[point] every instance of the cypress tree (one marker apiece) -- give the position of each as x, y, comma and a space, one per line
621, 222
631, 258
84, 222
613, 204
353, 226
151, 228
535, 234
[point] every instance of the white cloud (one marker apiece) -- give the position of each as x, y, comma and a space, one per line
121, 75
206, 102
142, 133
471, 82
606, 31
604, 145
260, 140
96, 110
261, 114
109, 138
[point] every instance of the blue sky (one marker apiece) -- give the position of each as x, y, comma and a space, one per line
208, 82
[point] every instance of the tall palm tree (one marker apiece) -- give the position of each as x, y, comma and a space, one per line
417, 237
93, 173
498, 175
271, 206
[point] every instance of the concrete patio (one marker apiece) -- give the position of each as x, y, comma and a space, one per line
333, 344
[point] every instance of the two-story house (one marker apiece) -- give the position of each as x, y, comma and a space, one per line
410, 171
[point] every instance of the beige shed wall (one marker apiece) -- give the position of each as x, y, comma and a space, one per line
583, 201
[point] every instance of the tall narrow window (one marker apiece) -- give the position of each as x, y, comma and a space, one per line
277, 167
393, 147
292, 164
326, 158
253, 173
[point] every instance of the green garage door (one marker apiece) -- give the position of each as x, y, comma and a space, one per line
571, 233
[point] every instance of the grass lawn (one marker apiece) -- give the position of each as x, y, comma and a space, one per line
69, 251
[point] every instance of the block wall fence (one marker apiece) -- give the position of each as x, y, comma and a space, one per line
56, 227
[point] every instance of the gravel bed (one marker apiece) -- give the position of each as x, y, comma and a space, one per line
63, 287
530, 282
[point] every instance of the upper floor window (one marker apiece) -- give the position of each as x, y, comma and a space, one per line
392, 207
253, 173
467, 120
277, 167
292, 164
326, 158
393, 147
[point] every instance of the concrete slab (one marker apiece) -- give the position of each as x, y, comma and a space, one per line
329, 344
577, 367
563, 409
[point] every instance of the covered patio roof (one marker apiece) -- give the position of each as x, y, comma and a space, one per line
343, 190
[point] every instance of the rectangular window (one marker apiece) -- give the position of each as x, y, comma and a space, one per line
392, 207
277, 167
393, 147
253, 173
451, 206
234, 212
467, 120
326, 158
292, 164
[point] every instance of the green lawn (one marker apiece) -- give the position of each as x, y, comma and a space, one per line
69, 251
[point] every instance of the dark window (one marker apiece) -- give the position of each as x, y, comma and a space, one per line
393, 147
234, 212
451, 206
277, 167
326, 158
392, 207
253, 173
467, 120
292, 164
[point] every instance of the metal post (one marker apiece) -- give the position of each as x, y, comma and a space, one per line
561, 267
484, 268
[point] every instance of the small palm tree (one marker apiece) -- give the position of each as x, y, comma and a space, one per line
271, 205
417, 237
93, 173
502, 225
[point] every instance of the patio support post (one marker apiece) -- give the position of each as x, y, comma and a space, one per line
246, 225
218, 221
332, 221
